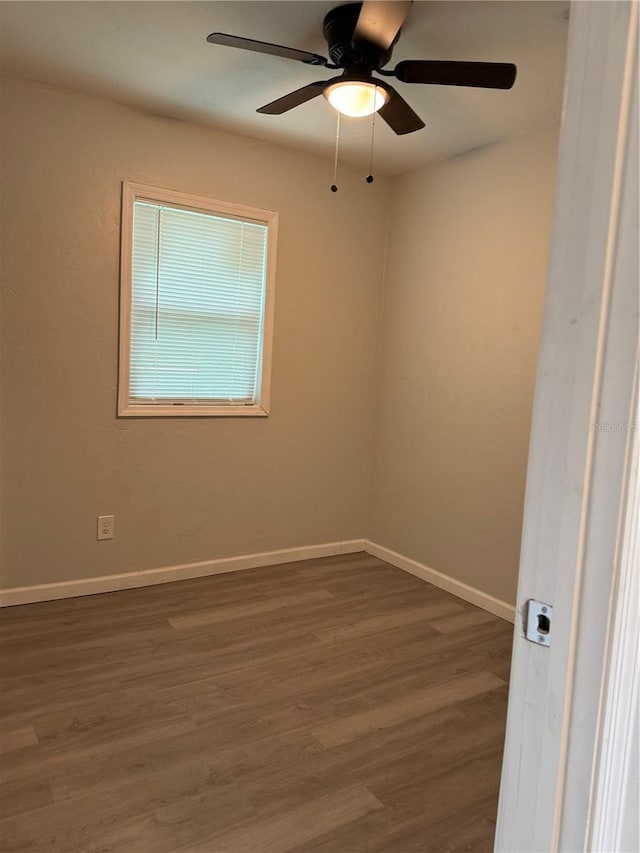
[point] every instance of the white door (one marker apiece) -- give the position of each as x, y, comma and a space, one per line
567, 770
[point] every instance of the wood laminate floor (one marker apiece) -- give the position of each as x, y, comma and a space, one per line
337, 706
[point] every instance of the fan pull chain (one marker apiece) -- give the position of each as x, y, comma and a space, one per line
334, 185
369, 178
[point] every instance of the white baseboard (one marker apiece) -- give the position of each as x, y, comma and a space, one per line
455, 587
166, 574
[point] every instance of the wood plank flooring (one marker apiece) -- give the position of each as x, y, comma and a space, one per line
337, 705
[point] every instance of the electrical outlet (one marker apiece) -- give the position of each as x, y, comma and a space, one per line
105, 527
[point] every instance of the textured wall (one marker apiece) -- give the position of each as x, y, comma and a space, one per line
461, 320
465, 279
180, 489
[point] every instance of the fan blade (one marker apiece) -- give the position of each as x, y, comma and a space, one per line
484, 75
293, 99
398, 114
266, 47
380, 21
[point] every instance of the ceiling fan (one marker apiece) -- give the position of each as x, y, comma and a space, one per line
360, 38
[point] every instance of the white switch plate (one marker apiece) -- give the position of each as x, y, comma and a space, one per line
105, 526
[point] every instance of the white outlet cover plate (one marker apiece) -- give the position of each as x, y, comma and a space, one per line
105, 526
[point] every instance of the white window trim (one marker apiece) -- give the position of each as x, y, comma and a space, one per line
130, 193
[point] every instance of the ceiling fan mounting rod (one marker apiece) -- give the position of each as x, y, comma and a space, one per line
345, 48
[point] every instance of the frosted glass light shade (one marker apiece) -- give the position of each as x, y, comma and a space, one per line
355, 99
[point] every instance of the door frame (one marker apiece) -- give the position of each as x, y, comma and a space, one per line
564, 760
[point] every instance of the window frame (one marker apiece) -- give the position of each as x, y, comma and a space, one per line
132, 192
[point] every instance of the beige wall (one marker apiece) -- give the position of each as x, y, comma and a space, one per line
457, 347
461, 321
181, 490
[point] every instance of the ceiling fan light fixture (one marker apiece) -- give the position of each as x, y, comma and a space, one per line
355, 98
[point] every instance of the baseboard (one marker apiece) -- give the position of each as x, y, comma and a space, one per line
166, 574
455, 587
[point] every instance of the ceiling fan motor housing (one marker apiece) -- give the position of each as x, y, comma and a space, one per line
345, 51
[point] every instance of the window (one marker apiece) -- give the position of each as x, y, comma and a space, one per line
196, 305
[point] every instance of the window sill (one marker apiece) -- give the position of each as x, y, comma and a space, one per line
179, 411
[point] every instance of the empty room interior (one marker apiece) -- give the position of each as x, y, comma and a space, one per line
267, 384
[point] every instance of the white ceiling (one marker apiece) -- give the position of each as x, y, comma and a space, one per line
154, 55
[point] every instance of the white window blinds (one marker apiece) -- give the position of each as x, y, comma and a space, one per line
197, 307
